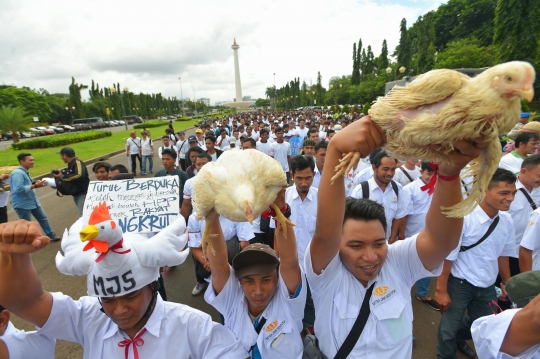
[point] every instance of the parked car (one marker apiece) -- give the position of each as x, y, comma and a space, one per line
122, 123
37, 131
27, 134
67, 128
48, 131
132, 119
6, 136
56, 129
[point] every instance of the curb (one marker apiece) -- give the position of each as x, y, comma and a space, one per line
99, 158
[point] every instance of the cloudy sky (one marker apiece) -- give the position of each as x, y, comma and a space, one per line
148, 45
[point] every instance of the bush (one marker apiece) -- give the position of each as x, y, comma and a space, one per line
183, 119
151, 124
60, 140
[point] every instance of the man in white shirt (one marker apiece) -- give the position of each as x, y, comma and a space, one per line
200, 139
407, 173
301, 130
18, 344
527, 200
181, 148
526, 144
133, 144
167, 145
466, 282
418, 203
201, 160
231, 145
382, 189
263, 145
147, 152
514, 333
281, 152
261, 303
529, 248
223, 140
320, 155
135, 321
349, 256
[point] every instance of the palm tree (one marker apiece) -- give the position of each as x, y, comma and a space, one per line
14, 119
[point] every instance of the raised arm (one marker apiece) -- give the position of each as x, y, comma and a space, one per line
361, 136
20, 287
219, 264
441, 234
289, 267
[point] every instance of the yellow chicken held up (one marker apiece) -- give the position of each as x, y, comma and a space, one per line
441, 107
240, 185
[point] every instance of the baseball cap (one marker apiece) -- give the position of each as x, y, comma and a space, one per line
337, 128
255, 259
532, 126
199, 131
68, 151
525, 114
523, 287
192, 139
232, 139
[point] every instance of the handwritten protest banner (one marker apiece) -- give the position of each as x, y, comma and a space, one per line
296, 143
137, 205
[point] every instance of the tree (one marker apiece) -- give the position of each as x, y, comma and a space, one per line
32, 103
517, 30
366, 108
14, 119
262, 102
356, 66
466, 53
403, 50
383, 58
75, 98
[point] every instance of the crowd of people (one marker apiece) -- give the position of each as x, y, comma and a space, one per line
338, 285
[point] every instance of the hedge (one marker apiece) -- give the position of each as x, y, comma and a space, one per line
151, 124
60, 140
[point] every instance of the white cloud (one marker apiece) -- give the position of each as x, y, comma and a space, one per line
147, 45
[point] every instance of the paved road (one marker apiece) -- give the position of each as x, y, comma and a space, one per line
179, 283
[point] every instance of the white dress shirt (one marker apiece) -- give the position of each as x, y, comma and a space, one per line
531, 238
304, 216
479, 265
243, 230
511, 162
188, 188
316, 177
488, 334
364, 175
417, 207
172, 331
338, 296
26, 345
521, 210
283, 318
280, 152
402, 179
350, 179
395, 205
146, 146
133, 145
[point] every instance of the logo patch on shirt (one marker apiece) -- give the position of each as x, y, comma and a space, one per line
271, 326
531, 223
382, 290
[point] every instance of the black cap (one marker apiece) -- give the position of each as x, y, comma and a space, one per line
255, 259
192, 139
68, 151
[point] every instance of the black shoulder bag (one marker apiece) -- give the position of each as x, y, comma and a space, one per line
484, 237
311, 344
406, 174
531, 202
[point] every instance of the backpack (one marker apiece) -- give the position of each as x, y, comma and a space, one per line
365, 189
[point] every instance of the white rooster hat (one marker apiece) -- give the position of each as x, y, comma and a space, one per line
116, 263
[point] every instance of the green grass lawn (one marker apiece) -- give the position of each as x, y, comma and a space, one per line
46, 159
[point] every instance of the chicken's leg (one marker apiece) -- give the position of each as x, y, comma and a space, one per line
205, 243
346, 163
281, 220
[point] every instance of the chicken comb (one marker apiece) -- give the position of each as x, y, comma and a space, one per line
100, 213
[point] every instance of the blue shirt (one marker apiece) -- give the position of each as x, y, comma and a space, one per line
22, 196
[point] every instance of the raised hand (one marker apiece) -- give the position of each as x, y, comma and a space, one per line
21, 237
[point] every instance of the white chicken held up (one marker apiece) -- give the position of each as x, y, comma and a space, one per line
240, 185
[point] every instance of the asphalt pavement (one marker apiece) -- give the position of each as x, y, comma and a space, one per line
62, 213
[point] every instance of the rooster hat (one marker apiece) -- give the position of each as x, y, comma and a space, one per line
117, 263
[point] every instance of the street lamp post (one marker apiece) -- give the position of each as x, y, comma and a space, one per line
70, 110
182, 96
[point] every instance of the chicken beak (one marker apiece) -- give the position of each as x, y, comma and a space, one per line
88, 233
527, 93
249, 214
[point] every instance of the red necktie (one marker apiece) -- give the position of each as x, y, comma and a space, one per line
137, 342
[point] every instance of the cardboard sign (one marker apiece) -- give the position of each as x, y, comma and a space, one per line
137, 205
296, 143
